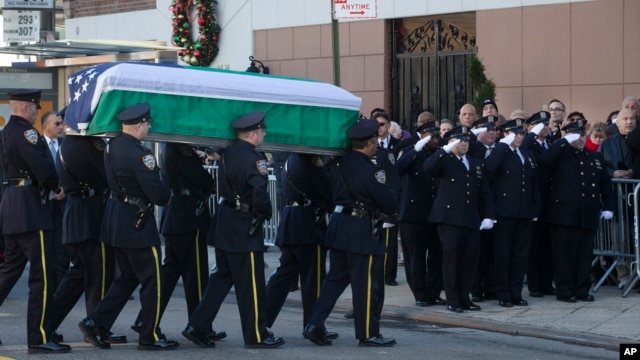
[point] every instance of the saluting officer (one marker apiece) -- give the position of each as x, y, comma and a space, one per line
463, 207
130, 227
238, 237
420, 242
25, 217
301, 234
512, 172
580, 189
185, 223
80, 165
358, 190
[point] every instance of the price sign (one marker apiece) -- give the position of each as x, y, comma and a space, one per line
21, 26
28, 4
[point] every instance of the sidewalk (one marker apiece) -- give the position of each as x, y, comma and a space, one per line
607, 322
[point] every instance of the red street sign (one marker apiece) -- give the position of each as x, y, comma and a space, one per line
355, 9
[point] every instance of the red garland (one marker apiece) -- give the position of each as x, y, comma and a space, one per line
205, 49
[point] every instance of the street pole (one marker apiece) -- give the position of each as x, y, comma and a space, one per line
335, 43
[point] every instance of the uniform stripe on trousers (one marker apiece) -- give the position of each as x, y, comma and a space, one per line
368, 315
103, 280
45, 289
255, 295
198, 274
158, 292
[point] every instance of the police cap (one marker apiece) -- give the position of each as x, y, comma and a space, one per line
135, 114
431, 126
28, 95
514, 126
539, 117
459, 132
488, 122
576, 127
251, 121
363, 130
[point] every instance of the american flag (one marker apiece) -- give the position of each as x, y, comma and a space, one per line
85, 89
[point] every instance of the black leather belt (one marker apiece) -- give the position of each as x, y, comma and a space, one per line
20, 182
361, 213
132, 200
181, 192
232, 204
81, 194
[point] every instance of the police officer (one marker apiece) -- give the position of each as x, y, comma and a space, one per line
238, 237
80, 165
25, 213
420, 242
540, 264
512, 172
581, 192
129, 226
358, 190
301, 233
462, 207
185, 224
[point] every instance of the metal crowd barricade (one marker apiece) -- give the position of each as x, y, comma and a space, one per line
636, 273
270, 226
613, 236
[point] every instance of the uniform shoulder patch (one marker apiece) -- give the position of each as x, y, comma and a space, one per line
32, 136
261, 165
317, 161
185, 150
381, 176
99, 144
392, 158
149, 161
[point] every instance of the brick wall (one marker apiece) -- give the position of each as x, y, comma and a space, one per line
103, 7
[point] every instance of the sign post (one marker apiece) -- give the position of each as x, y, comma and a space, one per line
355, 9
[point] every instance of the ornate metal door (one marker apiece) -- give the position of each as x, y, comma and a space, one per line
430, 64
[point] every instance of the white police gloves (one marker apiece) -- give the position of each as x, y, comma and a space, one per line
536, 129
508, 139
478, 130
387, 225
486, 224
606, 214
421, 143
571, 137
447, 148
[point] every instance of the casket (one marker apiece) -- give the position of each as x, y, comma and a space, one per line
196, 105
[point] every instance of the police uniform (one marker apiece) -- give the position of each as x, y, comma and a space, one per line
238, 237
540, 264
129, 226
580, 189
26, 222
463, 199
512, 172
484, 284
80, 165
301, 233
420, 242
358, 190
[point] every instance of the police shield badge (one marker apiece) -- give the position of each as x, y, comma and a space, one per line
392, 158
261, 165
149, 161
31, 136
381, 177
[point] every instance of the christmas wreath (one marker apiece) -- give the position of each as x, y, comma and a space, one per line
202, 51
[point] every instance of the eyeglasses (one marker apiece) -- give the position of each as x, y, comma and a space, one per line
556, 110
58, 123
383, 123
574, 119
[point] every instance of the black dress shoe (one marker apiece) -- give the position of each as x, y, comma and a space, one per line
586, 298
55, 337
377, 341
477, 298
93, 333
436, 301
392, 283
520, 302
471, 307
331, 335
349, 315
422, 303
570, 299
216, 335
49, 348
270, 342
137, 326
162, 344
112, 338
456, 309
317, 335
505, 303
536, 293
198, 337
